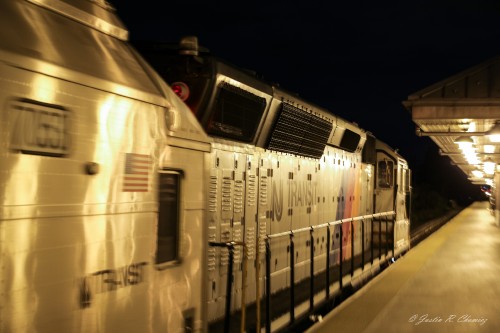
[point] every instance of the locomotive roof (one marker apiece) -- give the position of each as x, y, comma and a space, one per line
59, 39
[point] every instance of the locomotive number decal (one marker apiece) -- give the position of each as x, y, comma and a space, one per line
39, 128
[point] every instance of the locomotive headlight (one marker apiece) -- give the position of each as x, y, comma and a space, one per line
172, 119
44, 89
180, 89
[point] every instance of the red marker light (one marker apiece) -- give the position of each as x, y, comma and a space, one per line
181, 89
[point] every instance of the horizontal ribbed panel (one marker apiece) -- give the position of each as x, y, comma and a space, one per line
299, 132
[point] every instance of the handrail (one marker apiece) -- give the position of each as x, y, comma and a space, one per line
328, 224
230, 246
291, 233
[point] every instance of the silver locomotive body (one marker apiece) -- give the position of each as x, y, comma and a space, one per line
310, 196
93, 149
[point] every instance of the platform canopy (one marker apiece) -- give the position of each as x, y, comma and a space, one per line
461, 115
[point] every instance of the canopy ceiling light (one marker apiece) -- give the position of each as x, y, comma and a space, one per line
489, 149
465, 143
463, 140
494, 132
489, 166
478, 173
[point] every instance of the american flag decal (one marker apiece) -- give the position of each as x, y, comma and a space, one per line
136, 176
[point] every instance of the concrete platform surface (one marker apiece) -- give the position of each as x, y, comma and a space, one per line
450, 282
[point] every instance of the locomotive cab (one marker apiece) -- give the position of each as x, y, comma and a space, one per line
392, 193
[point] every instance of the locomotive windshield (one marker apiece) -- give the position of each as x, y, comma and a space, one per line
385, 173
236, 113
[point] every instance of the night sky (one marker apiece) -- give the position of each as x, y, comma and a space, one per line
358, 59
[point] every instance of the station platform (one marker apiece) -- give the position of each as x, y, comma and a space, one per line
449, 282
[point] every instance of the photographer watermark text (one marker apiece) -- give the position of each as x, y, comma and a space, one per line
422, 319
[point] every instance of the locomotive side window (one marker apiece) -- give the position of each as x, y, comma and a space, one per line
168, 217
236, 113
407, 180
350, 140
369, 153
401, 184
385, 173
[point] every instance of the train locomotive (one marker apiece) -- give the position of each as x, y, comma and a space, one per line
159, 191
280, 173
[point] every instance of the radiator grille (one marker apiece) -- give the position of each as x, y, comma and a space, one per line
299, 132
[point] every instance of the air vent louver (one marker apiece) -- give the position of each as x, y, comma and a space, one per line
299, 132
